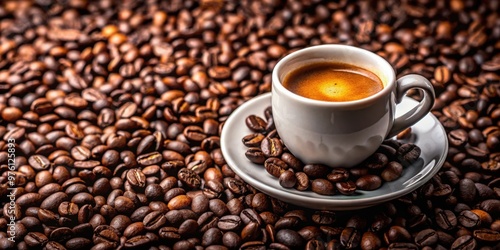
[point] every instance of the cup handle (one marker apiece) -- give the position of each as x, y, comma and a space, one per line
404, 84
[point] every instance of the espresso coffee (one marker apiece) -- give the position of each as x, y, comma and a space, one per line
332, 81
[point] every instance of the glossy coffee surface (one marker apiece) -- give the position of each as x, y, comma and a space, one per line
333, 81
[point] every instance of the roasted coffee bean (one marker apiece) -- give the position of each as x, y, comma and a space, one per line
316, 170
169, 233
292, 161
47, 217
86, 164
442, 190
368, 182
287, 179
206, 220
136, 178
491, 206
401, 246
346, 188
426, 237
446, 219
52, 202
68, 208
464, 242
397, 234
486, 235
179, 202
198, 166
302, 181
183, 244
271, 147
105, 233
124, 205
149, 159
212, 236
194, 133
376, 161
260, 202
324, 217
231, 239
309, 233
138, 241
229, 222
256, 123
370, 240
134, 229
442, 74
323, 187
199, 204
468, 219
290, 238
250, 215
258, 245
78, 243
36, 239
255, 155
80, 153
73, 131
188, 227
357, 222
485, 218
467, 190
458, 137
120, 222
350, 238
338, 175
154, 220
189, 177
61, 234
408, 153
39, 162
52, 245
275, 166
392, 171
253, 140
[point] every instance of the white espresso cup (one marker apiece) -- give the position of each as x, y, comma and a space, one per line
343, 134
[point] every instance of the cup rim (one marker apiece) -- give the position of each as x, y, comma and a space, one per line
382, 63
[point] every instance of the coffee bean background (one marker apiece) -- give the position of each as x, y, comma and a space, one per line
116, 108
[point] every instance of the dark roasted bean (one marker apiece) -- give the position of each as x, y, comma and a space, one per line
316, 170
256, 123
229, 222
253, 140
275, 166
409, 153
346, 188
464, 242
290, 238
468, 219
350, 238
368, 182
323, 187
486, 235
287, 179
271, 147
427, 237
255, 155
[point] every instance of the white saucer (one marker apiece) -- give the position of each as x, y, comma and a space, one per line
428, 134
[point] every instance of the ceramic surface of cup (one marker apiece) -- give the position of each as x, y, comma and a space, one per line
342, 134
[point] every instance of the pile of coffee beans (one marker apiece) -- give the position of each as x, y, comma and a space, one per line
111, 112
267, 149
